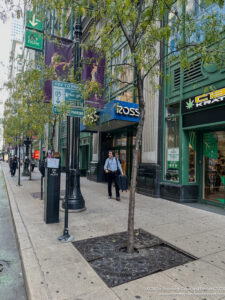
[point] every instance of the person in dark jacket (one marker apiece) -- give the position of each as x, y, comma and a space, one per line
13, 166
113, 169
32, 164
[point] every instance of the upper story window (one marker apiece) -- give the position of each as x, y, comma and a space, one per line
122, 75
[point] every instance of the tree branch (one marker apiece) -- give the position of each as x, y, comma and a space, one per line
138, 19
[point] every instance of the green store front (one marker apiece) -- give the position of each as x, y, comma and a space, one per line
194, 135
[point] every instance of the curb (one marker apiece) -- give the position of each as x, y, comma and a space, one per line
35, 285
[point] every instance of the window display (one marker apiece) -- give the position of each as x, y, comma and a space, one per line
192, 156
214, 166
192, 164
172, 149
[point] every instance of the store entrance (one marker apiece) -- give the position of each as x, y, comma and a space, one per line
121, 142
214, 167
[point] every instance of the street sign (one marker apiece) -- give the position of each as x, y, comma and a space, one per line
67, 93
34, 39
73, 112
33, 21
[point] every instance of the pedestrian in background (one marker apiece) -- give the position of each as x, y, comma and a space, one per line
13, 166
113, 169
32, 164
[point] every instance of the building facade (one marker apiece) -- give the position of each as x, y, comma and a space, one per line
193, 166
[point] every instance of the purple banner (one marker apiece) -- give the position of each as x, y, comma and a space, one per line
93, 70
58, 55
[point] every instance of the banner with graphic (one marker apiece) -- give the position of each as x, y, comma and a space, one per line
58, 55
210, 145
93, 71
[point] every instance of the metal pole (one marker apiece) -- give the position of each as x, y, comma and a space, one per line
75, 199
26, 161
30, 159
42, 187
66, 237
19, 169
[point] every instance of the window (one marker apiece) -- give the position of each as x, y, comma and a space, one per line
192, 156
172, 162
173, 109
124, 74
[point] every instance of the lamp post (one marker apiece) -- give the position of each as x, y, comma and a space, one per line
75, 200
26, 171
19, 168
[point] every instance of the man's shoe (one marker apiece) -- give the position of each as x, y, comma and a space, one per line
118, 198
110, 197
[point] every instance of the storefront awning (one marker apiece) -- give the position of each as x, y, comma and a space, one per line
116, 114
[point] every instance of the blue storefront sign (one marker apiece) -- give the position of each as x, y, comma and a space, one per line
125, 113
120, 110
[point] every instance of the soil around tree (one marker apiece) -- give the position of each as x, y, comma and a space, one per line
108, 257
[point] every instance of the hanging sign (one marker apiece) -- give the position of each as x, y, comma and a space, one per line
68, 93
33, 21
203, 101
34, 39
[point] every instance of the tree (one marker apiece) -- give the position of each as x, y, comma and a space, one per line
143, 26
26, 113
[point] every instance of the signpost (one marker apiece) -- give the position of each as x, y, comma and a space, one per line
67, 93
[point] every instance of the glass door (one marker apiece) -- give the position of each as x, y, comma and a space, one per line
121, 154
214, 166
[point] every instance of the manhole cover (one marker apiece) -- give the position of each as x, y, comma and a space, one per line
3, 266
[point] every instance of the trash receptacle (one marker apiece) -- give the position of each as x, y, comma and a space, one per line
52, 191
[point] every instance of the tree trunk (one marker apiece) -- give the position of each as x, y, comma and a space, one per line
140, 85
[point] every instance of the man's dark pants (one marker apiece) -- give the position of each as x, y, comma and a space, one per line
13, 171
113, 176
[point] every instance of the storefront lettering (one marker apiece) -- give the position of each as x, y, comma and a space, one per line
208, 102
127, 111
204, 100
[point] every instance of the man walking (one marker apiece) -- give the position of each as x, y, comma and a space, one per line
113, 169
14, 165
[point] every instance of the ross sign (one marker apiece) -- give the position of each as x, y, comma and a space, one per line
203, 101
120, 110
67, 93
34, 39
127, 111
33, 21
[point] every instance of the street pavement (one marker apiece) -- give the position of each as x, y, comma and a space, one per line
58, 271
11, 277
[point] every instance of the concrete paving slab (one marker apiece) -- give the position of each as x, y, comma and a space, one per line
176, 230
76, 281
200, 244
216, 259
204, 279
154, 287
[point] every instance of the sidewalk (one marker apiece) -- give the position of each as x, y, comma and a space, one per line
58, 271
